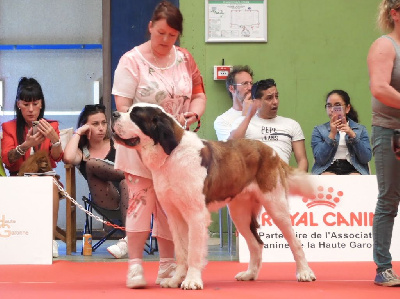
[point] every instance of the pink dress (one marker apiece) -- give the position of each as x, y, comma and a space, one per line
171, 87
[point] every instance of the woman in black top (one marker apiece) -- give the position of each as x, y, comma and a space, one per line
92, 151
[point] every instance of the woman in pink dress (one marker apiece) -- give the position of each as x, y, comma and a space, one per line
161, 73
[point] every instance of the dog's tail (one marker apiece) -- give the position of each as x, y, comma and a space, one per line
298, 182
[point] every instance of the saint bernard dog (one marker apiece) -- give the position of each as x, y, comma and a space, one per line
192, 177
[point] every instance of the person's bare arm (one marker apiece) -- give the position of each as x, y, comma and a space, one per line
240, 131
123, 104
197, 106
72, 153
380, 65
300, 154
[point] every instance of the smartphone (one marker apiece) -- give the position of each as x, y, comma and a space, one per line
339, 111
34, 126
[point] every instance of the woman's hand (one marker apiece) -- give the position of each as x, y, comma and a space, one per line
334, 123
33, 139
45, 129
188, 118
84, 130
345, 128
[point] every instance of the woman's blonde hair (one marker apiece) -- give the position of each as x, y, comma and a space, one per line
385, 21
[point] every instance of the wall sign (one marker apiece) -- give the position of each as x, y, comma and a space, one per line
236, 21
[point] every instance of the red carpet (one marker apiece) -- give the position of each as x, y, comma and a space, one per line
107, 280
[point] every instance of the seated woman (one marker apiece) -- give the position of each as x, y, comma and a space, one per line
340, 146
21, 140
92, 151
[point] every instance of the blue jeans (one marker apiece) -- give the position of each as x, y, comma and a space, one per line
388, 176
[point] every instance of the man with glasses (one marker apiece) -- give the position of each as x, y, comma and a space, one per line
262, 122
238, 85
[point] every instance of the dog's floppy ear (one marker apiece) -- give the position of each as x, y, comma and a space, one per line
166, 134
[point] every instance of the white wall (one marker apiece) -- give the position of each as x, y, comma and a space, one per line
66, 76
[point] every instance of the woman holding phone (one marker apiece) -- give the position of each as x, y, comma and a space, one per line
340, 146
30, 132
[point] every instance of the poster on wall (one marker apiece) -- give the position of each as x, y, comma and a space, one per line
333, 226
236, 21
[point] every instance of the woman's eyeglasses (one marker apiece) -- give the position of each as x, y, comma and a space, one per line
329, 106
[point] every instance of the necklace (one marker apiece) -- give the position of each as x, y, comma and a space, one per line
157, 64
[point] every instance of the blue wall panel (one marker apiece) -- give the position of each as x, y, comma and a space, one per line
129, 21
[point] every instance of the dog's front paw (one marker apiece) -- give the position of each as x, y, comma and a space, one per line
174, 281
192, 284
246, 275
170, 283
305, 275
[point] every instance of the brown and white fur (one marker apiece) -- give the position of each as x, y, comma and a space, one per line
192, 176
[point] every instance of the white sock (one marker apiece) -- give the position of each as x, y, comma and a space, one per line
132, 262
165, 262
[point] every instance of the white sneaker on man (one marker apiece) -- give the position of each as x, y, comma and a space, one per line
135, 278
55, 248
120, 249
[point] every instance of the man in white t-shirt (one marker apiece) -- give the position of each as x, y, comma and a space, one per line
238, 84
263, 123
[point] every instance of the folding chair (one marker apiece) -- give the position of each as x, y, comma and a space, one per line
114, 217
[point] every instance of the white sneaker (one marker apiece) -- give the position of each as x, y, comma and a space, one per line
165, 272
55, 248
135, 278
120, 249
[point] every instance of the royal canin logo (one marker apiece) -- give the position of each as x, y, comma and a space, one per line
329, 198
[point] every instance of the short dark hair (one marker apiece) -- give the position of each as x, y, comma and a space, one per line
258, 87
230, 80
173, 16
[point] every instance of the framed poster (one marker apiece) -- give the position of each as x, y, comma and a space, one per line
236, 21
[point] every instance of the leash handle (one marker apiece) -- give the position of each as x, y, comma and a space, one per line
198, 123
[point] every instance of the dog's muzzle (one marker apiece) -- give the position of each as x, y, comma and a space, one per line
118, 131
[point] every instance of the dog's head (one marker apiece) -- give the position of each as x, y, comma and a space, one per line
37, 163
146, 124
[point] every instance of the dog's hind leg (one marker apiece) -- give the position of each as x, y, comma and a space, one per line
244, 214
277, 208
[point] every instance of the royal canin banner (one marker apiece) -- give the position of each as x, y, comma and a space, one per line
334, 225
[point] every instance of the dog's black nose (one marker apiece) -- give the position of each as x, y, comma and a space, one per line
116, 114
